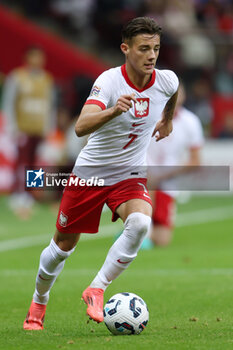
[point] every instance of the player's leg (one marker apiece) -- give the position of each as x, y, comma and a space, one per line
79, 211
162, 219
135, 214
52, 261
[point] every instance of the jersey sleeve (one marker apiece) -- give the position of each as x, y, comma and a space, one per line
101, 91
169, 82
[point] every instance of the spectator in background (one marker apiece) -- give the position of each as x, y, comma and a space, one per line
199, 102
179, 17
197, 50
215, 14
227, 128
224, 75
225, 19
109, 16
28, 104
155, 9
35, 8
76, 15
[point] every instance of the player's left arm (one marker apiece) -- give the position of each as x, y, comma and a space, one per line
164, 126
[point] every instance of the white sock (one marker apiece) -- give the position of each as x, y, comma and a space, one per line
52, 261
124, 250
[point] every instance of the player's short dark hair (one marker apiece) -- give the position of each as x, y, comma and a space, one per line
140, 25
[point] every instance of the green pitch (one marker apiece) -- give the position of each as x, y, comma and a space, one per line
188, 286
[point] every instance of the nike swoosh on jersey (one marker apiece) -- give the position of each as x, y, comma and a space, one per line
137, 124
122, 262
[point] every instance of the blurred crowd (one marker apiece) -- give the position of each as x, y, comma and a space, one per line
196, 43
197, 40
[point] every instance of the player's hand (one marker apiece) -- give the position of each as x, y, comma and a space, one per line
124, 103
162, 129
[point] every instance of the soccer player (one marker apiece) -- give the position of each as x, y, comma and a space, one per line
127, 106
163, 158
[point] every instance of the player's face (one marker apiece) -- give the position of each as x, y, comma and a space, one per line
142, 53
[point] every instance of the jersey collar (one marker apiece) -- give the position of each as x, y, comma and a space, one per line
128, 81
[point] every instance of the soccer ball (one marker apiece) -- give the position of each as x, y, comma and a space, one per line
126, 313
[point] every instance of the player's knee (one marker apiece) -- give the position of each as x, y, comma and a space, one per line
66, 242
60, 253
137, 224
55, 252
52, 259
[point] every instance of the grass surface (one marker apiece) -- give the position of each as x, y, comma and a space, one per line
187, 286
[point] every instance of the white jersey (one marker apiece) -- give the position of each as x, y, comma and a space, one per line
171, 151
117, 150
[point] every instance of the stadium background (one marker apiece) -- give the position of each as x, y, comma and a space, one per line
81, 38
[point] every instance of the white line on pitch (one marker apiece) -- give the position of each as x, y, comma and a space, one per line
206, 215
31, 241
154, 271
185, 219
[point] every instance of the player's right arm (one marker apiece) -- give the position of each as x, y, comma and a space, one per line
92, 116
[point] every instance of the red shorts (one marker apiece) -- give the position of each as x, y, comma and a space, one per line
81, 206
164, 209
